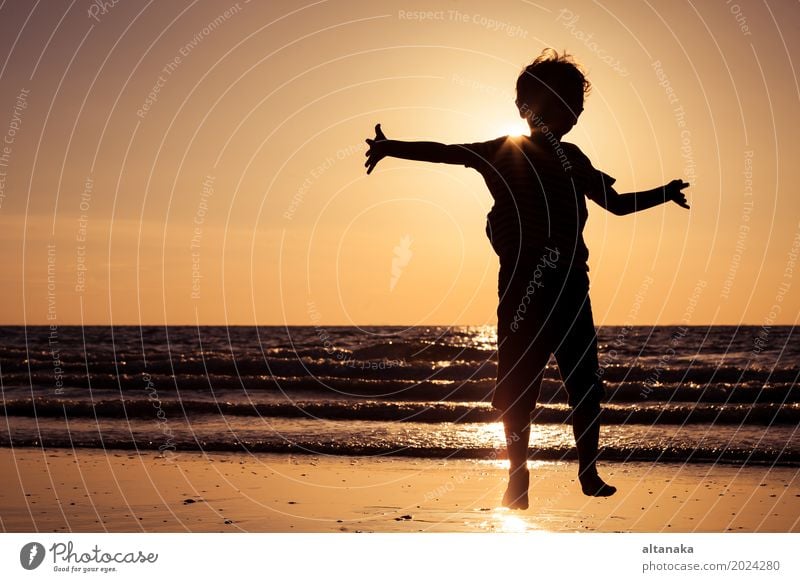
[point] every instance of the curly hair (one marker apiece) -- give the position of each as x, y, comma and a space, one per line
555, 72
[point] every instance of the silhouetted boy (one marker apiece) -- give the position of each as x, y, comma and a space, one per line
539, 185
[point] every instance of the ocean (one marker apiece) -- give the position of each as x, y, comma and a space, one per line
720, 394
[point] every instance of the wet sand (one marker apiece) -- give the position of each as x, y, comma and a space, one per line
91, 490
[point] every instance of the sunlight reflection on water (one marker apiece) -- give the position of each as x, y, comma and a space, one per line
504, 520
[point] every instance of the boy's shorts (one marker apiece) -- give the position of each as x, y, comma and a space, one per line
544, 309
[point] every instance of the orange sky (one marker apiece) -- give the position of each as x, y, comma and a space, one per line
201, 162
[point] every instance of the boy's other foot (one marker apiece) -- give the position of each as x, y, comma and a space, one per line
516, 495
594, 486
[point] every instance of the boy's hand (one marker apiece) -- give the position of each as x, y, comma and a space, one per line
672, 191
376, 152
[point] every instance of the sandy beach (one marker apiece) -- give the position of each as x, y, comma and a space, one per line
90, 490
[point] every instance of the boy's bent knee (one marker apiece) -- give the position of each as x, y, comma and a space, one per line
516, 416
588, 401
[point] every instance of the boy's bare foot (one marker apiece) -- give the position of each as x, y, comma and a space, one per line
516, 495
593, 486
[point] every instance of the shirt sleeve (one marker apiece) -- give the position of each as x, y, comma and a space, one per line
480, 154
594, 183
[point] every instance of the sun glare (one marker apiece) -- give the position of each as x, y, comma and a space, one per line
514, 129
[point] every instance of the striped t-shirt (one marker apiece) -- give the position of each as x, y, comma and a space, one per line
539, 196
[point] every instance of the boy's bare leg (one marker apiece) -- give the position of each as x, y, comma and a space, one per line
517, 429
586, 428
577, 362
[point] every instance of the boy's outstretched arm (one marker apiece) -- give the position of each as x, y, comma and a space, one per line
621, 204
423, 151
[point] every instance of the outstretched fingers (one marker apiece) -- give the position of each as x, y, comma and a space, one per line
371, 162
373, 154
676, 193
682, 198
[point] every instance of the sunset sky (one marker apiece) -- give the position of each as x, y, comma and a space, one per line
197, 162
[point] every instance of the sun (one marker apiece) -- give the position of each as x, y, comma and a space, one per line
513, 128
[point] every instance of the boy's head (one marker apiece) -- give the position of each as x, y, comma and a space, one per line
550, 92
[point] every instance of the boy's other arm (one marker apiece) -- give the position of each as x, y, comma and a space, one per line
423, 151
621, 204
